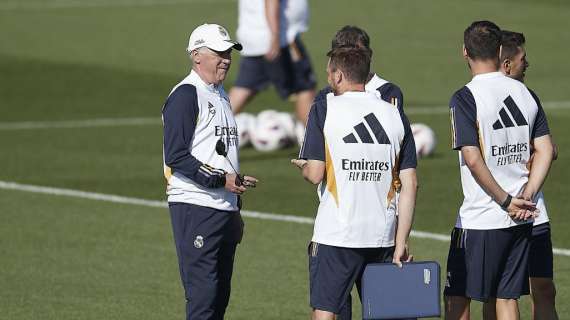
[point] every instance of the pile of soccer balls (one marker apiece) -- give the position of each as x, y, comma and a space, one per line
270, 130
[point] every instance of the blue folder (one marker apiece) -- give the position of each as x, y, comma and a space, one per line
390, 292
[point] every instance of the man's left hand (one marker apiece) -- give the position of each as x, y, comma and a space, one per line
402, 254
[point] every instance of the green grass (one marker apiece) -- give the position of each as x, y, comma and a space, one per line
66, 258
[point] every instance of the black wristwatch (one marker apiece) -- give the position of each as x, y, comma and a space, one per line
507, 202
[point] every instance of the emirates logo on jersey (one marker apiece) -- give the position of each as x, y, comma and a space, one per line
509, 153
365, 170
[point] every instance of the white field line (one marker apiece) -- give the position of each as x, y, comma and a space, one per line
7, 185
117, 122
551, 105
102, 122
64, 4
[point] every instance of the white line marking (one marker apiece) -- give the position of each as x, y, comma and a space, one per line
64, 4
7, 185
109, 122
104, 122
552, 105
141, 121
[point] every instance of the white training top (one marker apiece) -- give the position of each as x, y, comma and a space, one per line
501, 117
253, 30
215, 121
361, 139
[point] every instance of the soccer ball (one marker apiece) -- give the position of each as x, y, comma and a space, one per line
288, 122
425, 139
245, 123
271, 131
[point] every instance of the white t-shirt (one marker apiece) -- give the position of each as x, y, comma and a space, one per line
253, 30
362, 140
501, 117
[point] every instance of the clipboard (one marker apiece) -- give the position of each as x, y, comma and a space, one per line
390, 292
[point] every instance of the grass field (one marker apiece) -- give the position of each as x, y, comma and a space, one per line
66, 257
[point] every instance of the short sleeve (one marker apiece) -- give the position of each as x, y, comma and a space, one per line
322, 94
408, 156
392, 94
463, 119
540, 127
314, 143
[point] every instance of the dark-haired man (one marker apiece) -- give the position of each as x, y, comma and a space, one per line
358, 149
495, 121
353, 36
542, 289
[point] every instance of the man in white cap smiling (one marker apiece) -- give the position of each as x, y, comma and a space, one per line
202, 171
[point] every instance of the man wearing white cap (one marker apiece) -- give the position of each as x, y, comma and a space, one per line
201, 167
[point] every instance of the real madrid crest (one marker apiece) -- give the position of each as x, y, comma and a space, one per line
199, 242
223, 31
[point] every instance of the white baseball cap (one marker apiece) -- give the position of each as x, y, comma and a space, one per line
212, 36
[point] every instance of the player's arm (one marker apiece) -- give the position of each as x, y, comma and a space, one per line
543, 153
474, 161
542, 159
311, 158
272, 16
392, 94
179, 115
312, 170
517, 208
406, 207
408, 190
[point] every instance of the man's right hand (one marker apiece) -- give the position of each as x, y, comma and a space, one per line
274, 49
234, 184
239, 185
522, 209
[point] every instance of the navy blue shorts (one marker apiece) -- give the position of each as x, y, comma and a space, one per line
486, 264
206, 241
290, 73
333, 271
540, 256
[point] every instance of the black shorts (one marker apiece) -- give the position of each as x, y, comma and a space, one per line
290, 73
485, 264
540, 255
333, 272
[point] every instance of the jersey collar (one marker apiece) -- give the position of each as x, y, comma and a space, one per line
374, 83
195, 79
488, 75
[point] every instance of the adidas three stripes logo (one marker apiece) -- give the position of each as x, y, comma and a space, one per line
505, 120
364, 134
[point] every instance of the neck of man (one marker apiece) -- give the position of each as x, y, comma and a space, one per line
483, 66
346, 87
